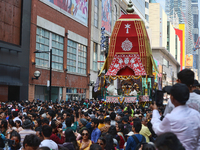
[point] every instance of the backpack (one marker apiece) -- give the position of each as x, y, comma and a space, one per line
143, 141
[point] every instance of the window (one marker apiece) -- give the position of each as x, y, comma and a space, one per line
95, 47
76, 57
147, 5
96, 6
75, 94
115, 14
45, 41
147, 17
102, 59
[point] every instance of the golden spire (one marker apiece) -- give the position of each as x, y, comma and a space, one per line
130, 7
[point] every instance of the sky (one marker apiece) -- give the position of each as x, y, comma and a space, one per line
162, 3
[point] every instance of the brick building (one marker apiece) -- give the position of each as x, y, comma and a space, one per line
63, 27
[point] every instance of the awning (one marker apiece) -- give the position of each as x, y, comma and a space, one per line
131, 61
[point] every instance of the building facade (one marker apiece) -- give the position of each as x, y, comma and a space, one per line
65, 29
183, 8
14, 49
165, 44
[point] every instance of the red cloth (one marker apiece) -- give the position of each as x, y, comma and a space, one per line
56, 139
121, 142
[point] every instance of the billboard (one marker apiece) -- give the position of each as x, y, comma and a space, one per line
189, 60
106, 15
77, 8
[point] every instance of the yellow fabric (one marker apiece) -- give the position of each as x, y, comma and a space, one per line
145, 132
80, 144
101, 125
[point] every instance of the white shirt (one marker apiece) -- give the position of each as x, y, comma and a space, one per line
49, 143
182, 121
194, 101
17, 118
168, 108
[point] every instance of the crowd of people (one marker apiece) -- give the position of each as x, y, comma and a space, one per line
94, 125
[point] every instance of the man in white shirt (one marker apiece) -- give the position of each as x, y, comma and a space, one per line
15, 115
186, 76
182, 121
47, 142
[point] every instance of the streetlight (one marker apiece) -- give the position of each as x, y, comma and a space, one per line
37, 51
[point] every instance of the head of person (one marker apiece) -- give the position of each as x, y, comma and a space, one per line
107, 120
3, 115
50, 114
82, 122
38, 131
68, 122
144, 121
179, 94
85, 134
148, 146
95, 123
45, 121
124, 119
18, 123
120, 127
102, 142
109, 142
112, 131
168, 141
31, 142
27, 124
137, 125
46, 131
101, 119
11, 123
95, 147
15, 114
70, 137
4, 124
112, 116
38, 122
15, 137
186, 76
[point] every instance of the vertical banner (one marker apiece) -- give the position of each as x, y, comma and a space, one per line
106, 15
77, 8
189, 61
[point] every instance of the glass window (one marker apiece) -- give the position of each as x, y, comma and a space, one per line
76, 57
45, 41
95, 47
96, 10
147, 5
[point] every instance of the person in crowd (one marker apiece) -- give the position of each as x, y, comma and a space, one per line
82, 124
46, 133
145, 130
50, 115
182, 121
18, 126
70, 140
102, 142
38, 123
3, 115
38, 131
112, 117
120, 130
95, 147
4, 126
27, 126
15, 138
107, 126
45, 121
109, 142
55, 132
131, 142
168, 141
85, 142
15, 115
96, 133
126, 124
31, 142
